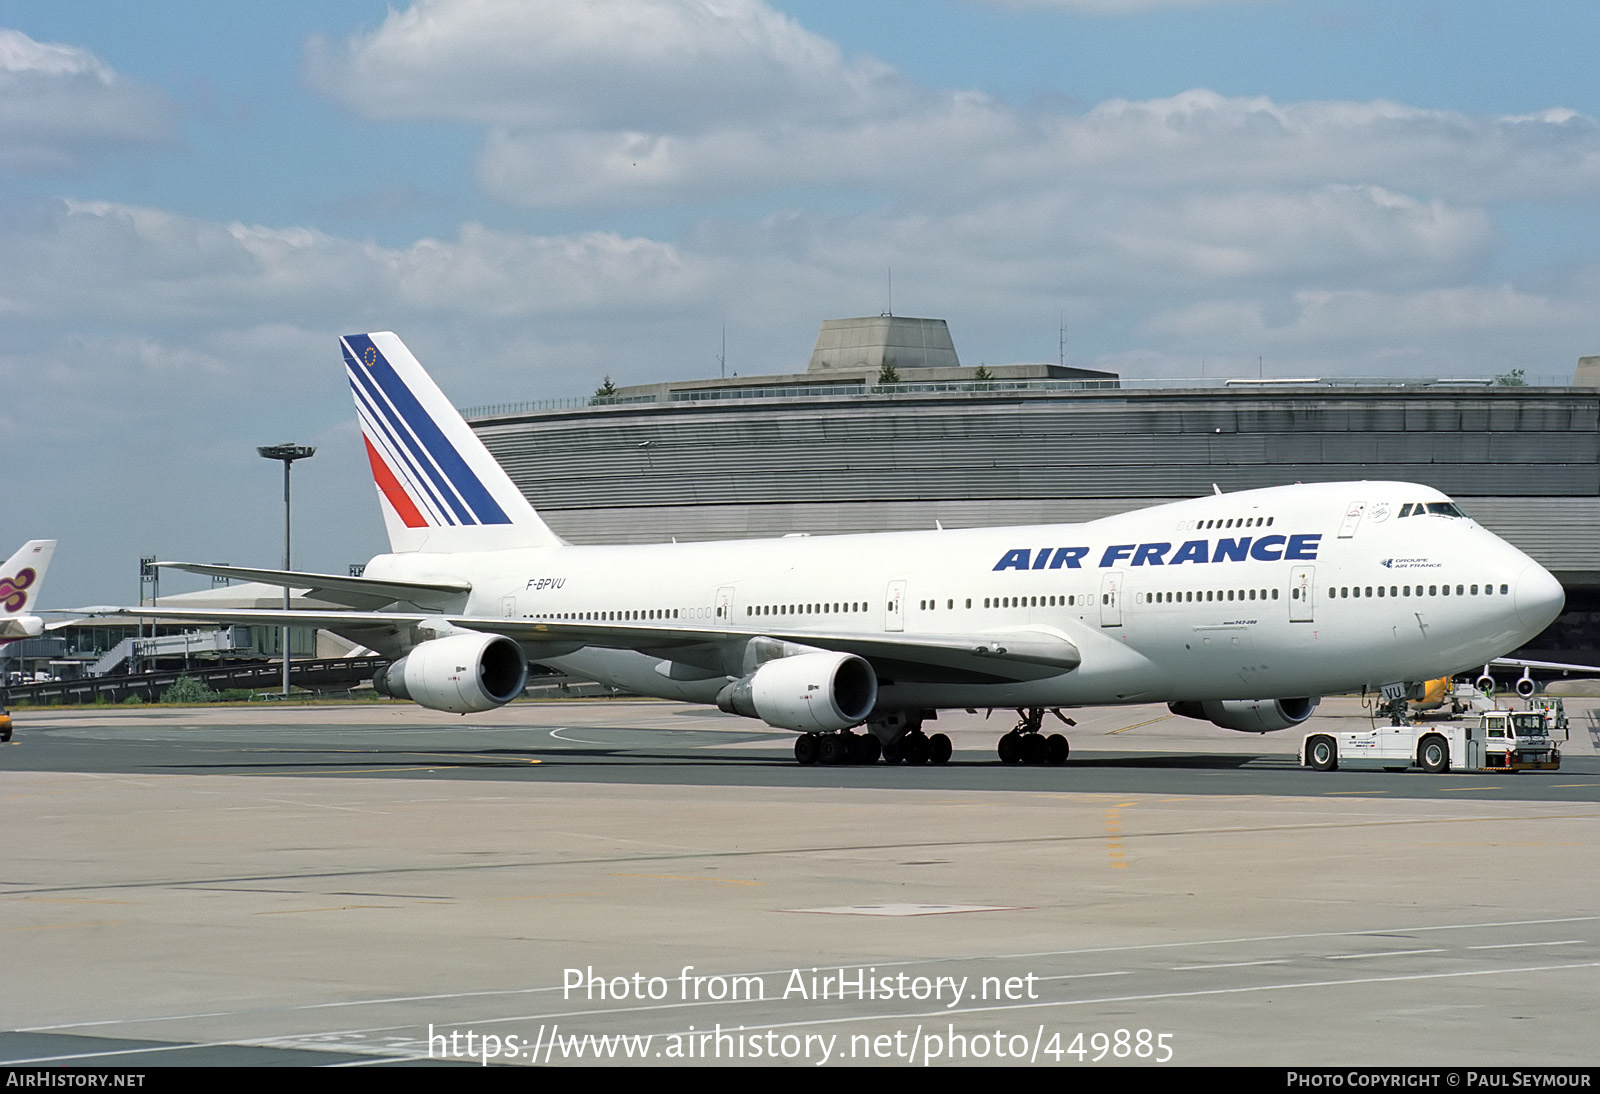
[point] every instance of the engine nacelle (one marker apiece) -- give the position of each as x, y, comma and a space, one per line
464, 673
811, 692
1248, 715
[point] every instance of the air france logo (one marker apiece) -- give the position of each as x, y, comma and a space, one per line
1408, 564
1300, 548
12, 596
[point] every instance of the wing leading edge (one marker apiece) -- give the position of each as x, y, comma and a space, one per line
997, 656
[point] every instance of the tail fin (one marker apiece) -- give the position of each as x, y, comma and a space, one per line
439, 488
20, 581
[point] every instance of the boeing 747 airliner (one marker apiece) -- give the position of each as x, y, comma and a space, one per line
1241, 609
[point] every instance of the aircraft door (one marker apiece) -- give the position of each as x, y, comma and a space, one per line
894, 612
1352, 518
724, 606
1302, 584
508, 607
1111, 598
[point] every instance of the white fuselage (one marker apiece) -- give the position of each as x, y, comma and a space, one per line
1286, 592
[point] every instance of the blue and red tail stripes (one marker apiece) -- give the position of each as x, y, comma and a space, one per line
428, 465
418, 459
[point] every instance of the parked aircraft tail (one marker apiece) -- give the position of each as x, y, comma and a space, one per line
20, 580
438, 486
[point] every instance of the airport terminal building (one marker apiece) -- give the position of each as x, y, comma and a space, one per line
886, 430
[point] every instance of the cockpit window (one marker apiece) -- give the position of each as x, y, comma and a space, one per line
1445, 509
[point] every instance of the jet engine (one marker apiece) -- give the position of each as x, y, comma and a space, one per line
807, 693
464, 673
1248, 715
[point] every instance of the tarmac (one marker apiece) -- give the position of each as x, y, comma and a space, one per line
572, 883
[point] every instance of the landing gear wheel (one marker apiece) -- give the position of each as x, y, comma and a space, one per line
1434, 755
1034, 749
1323, 754
1011, 748
893, 752
806, 748
916, 748
1056, 749
865, 749
939, 749
835, 750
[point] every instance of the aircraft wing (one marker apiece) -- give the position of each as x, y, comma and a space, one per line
996, 656
357, 592
1545, 666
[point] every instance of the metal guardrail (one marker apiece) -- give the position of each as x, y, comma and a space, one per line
1042, 387
151, 685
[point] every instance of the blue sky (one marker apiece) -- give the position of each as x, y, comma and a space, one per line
197, 199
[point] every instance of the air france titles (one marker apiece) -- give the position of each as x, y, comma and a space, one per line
1298, 548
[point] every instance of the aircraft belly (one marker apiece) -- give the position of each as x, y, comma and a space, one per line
635, 672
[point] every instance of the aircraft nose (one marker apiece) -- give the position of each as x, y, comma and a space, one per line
1539, 597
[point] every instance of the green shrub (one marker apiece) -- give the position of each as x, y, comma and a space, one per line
188, 690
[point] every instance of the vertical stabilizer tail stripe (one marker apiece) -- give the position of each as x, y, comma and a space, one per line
392, 490
439, 488
406, 455
402, 464
435, 455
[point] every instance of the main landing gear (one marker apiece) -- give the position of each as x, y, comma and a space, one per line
1027, 745
837, 748
895, 738
916, 747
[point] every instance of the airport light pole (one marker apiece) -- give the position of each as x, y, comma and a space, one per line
288, 453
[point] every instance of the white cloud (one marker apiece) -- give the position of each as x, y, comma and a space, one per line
946, 145
128, 263
60, 104
612, 64
1452, 331
618, 103
1202, 138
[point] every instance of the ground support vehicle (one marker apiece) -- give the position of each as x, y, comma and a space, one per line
1500, 740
